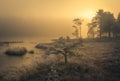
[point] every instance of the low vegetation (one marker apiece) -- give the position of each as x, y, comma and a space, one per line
63, 46
31, 52
99, 62
41, 46
60, 72
96, 61
17, 51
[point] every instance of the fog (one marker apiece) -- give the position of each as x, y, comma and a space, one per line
48, 18
13, 27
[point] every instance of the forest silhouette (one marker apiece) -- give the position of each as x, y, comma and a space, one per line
104, 25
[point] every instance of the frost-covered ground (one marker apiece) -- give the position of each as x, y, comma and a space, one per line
100, 61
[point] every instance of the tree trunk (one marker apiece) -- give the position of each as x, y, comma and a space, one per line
65, 56
109, 34
80, 32
100, 34
93, 35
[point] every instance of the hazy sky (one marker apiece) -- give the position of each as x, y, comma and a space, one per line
57, 15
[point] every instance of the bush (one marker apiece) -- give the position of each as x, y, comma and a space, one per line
31, 51
40, 46
60, 72
17, 51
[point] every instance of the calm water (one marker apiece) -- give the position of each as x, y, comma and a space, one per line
6, 61
14, 61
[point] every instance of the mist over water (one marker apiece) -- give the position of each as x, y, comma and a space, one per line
7, 62
29, 32
11, 28
28, 39
28, 42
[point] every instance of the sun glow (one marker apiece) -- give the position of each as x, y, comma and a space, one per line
88, 14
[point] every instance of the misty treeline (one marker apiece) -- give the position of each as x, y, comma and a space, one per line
104, 25
77, 26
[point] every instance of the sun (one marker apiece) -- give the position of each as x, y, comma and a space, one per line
87, 14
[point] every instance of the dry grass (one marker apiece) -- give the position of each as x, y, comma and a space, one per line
96, 61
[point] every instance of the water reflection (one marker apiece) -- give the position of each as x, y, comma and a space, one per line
10, 61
